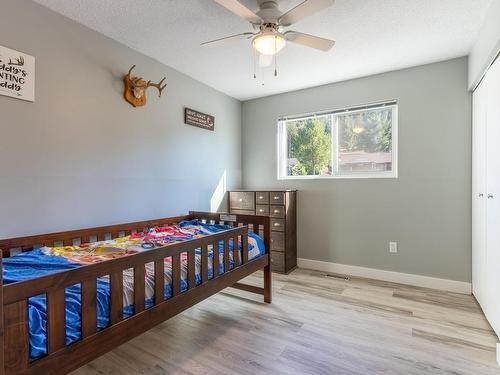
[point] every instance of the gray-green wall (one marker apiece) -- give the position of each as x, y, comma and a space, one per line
426, 209
81, 156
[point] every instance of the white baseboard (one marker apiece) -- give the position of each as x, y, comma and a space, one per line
391, 276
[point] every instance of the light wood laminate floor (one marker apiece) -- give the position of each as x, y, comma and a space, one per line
316, 325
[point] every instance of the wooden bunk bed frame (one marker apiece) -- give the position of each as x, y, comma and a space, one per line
61, 359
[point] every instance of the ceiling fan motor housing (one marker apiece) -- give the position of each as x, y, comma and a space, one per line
269, 11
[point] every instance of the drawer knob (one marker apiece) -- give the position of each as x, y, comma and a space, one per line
261, 210
276, 224
276, 197
240, 200
261, 197
276, 211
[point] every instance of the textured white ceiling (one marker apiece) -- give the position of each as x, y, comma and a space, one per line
373, 36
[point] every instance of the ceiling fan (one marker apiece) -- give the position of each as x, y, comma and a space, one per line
269, 23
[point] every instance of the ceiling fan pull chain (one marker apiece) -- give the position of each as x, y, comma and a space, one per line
275, 57
254, 64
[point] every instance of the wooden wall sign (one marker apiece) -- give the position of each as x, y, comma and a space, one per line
17, 74
201, 120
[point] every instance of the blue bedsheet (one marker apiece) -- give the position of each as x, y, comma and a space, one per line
35, 264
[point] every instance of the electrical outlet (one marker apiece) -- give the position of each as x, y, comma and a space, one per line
393, 247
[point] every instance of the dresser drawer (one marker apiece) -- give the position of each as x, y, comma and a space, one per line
242, 200
277, 241
242, 212
277, 197
277, 211
262, 197
278, 225
277, 261
262, 209
279, 205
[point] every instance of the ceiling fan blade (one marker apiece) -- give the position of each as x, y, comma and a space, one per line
307, 8
310, 40
226, 40
240, 10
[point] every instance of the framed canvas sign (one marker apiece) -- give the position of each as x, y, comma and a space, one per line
201, 120
17, 74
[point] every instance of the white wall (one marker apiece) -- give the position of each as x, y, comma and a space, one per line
81, 156
487, 45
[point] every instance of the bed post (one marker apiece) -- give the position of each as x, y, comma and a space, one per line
1, 317
268, 289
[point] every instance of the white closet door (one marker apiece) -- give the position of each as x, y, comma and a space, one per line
479, 193
493, 196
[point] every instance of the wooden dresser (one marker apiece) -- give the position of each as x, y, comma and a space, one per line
280, 206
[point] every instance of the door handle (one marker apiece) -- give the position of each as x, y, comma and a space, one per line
480, 195
490, 196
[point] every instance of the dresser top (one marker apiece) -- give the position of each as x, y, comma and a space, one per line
230, 190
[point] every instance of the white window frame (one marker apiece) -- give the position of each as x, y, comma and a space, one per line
282, 143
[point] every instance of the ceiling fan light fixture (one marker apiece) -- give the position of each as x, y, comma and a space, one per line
265, 60
269, 43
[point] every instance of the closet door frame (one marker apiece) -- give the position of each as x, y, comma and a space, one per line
493, 196
479, 185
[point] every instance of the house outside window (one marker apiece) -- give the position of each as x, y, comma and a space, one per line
358, 142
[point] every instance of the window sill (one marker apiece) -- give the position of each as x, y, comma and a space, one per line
393, 175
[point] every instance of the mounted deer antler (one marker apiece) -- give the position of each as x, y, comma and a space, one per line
135, 88
158, 86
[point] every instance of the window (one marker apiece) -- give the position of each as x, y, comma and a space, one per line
348, 143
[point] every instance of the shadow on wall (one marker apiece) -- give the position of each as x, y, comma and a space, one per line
218, 201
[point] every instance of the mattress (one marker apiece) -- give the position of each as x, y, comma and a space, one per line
45, 260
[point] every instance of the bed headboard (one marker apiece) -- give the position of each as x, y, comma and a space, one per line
261, 225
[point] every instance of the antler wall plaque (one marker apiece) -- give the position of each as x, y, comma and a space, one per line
135, 88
